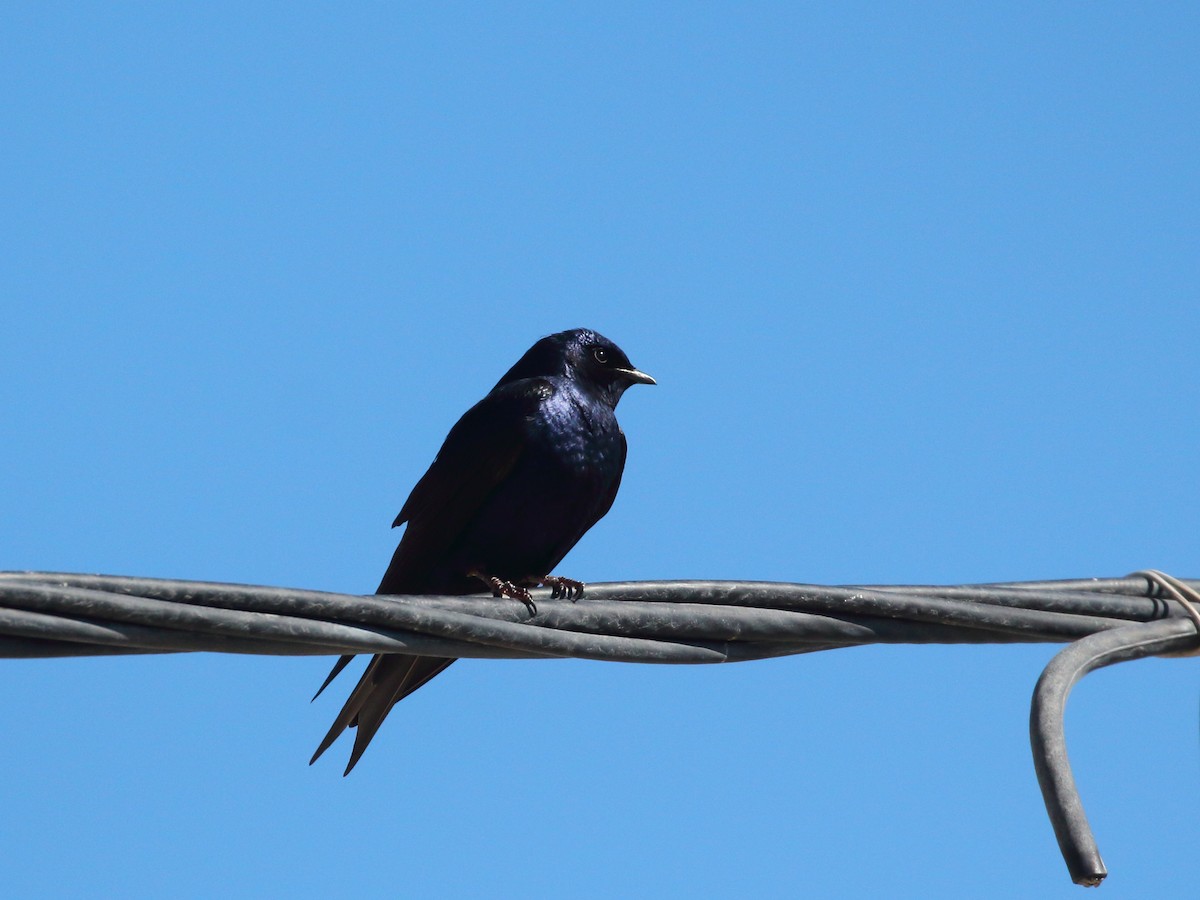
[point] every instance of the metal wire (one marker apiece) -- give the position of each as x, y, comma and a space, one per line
1108, 620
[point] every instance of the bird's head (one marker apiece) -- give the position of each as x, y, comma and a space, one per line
585, 355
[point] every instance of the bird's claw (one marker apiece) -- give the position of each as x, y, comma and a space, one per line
502, 588
567, 588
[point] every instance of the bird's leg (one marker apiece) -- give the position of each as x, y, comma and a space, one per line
563, 587
502, 588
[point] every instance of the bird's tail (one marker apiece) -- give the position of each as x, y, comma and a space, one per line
342, 662
388, 679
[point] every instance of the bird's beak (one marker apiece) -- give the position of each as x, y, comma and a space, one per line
636, 377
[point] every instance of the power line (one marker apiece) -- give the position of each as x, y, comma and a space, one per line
1106, 620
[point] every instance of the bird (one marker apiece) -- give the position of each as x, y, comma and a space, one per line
517, 482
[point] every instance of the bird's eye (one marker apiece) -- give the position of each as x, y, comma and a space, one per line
601, 355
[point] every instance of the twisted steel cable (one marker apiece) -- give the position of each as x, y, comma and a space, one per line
1105, 620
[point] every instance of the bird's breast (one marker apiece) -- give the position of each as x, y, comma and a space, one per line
578, 435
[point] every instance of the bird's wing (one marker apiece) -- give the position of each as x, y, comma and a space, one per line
478, 454
480, 451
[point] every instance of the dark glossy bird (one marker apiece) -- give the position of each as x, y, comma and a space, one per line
519, 479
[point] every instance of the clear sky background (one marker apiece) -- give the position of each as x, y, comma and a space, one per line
921, 287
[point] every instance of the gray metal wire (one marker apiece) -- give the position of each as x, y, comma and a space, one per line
46, 614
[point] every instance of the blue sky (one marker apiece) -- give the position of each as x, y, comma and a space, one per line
921, 288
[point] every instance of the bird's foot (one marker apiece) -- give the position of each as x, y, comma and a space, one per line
502, 588
568, 588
